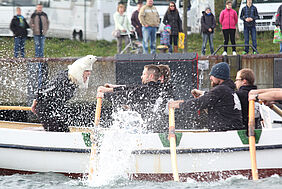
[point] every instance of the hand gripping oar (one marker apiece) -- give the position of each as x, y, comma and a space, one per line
93, 146
172, 142
276, 109
252, 139
25, 108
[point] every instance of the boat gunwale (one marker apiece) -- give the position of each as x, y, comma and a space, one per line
145, 151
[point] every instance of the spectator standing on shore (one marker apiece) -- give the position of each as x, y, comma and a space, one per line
249, 14
207, 24
173, 19
135, 21
278, 22
19, 28
228, 19
150, 20
123, 25
165, 37
40, 24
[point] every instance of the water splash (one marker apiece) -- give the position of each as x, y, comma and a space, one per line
114, 159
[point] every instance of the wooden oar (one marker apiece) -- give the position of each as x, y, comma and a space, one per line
276, 109
172, 141
252, 139
25, 108
93, 146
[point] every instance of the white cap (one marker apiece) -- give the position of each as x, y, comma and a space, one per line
79, 66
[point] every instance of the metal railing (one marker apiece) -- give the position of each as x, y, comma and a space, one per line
237, 45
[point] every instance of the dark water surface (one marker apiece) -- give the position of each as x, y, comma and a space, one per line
51, 180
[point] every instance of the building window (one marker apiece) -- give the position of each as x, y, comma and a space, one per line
107, 21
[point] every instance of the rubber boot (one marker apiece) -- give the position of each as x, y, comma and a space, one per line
175, 49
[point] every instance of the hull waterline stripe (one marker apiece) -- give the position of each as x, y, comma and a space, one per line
178, 151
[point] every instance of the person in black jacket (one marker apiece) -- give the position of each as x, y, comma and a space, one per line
207, 26
146, 99
19, 28
135, 21
245, 79
173, 19
222, 103
249, 14
50, 104
278, 22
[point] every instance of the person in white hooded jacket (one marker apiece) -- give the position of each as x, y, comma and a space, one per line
50, 102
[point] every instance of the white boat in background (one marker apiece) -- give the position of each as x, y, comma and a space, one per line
204, 156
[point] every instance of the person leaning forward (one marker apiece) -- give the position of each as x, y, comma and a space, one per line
50, 102
139, 98
222, 103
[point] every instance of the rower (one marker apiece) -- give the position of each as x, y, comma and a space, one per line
51, 99
139, 98
222, 103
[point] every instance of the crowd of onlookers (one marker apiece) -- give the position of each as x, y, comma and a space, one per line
146, 21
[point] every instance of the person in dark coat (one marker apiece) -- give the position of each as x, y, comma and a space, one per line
50, 104
278, 22
173, 19
145, 99
135, 21
207, 26
249, 15
222, 103
245, 79
19, 28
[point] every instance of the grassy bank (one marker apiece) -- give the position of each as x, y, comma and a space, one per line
68, 48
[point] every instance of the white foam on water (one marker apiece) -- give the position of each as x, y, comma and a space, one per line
114, 159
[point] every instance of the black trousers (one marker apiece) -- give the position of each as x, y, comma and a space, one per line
229, 33
52, 120
174, 39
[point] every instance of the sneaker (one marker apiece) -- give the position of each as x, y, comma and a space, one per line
234, 53
255, 52
244, 53
224, 53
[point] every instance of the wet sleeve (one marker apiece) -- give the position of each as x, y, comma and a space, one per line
203, 102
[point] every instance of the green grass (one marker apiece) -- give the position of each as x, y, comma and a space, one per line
68, 48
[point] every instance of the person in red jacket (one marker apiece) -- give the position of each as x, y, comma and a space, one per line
228, 19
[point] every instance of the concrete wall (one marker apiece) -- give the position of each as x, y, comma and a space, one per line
13, 74
14, 78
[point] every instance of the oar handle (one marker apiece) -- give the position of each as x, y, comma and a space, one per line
94, 146
25, 108
252, 139
276, 109
98, 110
172, 142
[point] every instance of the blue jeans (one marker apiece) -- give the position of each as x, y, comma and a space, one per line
207, 37
280, 48
19, 46
253, 32
39, 45
149, 33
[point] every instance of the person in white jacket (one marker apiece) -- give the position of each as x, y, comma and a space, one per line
123, 25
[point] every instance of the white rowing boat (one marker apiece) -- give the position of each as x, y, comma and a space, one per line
27, 148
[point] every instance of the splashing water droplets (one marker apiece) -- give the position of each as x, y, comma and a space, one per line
114, 159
